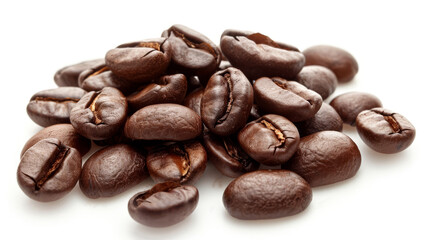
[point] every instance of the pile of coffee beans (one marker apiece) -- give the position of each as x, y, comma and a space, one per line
164, 107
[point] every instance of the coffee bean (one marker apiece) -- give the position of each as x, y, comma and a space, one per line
349, 105
193, 100
98, 77
163, 205
227, 156
166, 121
183, 162
166, 89
139, 62
287, 98
53, 106
255, 113
325, 157
65, 133
267, 194
338, 60
385, 131
325, 119
192, 53
270, 140
49, 170
226, 102
100, 115
259, 56
111, 171
68, 76
319, 79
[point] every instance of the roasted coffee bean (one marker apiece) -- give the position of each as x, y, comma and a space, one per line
341, 62
270, 140
319, 79
49, 170
325, 119
255, 113
163, 205
267, 194
192, 53
287, 98
166, 121
99, 77
349, 105
111, 171
193, 84
259, 56
193, 100
63, 132
166, 89
226, 102
139, 62
68, 76
100, 115
325, 157
385, 131
227, 156
53, 106
183, 162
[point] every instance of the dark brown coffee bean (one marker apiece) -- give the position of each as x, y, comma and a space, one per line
270, 140
53, 106
111, 171
166, 121
139, 62
99, 77
255, 113
385, 131
193, 100
166, 89
100, 115
226, 102
319, 79
325, 119
192, 53
341, 62
325, 157
68, 76
183, 162
287, 98
227, 156
163, 205
49, 170
259, 56
349, 105
267, 194
63, 132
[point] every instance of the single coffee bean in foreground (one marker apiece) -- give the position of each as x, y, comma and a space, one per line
183, 162
68, 76
226, 102
341, 62
227, 156
287, 98
166, 121
165, 89
49, 170
319, 79
385, 131
270, 140
267, 194
53, 106
100, 115
349, 105
111, 171
325, 119
165, 204
67, 135
325, 157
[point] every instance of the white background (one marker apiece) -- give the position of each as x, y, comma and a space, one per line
388, 198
